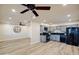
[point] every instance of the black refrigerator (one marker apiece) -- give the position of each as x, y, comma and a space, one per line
72, 36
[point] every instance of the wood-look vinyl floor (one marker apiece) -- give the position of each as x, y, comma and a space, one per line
23, 47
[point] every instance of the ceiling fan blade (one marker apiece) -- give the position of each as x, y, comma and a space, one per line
25, 11
42, 7
35, 13
24, 4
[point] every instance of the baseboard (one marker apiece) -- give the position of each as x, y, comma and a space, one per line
12, 39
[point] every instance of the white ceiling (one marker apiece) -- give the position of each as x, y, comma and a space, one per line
57, 14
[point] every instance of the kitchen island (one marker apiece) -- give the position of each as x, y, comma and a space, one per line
52, 37
55, 36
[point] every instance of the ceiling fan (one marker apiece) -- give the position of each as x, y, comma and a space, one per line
32, 7
21, 24
24, 23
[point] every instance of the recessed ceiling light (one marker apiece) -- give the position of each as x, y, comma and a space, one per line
13, 10
64, 4
34, 17
68, 15
69, 19
44, 20
10, 18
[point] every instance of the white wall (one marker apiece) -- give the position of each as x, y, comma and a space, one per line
35, 32
32, 31
6, 32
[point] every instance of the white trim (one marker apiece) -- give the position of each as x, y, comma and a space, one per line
13, 39
70, 23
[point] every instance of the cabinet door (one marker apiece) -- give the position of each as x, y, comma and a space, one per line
55, 37
43, 38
